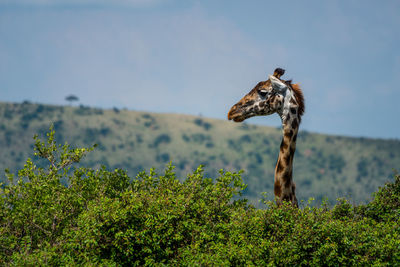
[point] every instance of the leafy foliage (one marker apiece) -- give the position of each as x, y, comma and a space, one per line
103, 217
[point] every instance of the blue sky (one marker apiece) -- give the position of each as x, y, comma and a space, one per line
201, 57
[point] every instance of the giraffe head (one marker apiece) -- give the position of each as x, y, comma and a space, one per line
268, 97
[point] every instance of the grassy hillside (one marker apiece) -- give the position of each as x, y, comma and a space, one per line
325, 166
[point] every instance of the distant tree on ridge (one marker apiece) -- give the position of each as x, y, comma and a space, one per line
71, 98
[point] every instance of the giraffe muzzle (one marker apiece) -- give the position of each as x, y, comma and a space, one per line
236, 114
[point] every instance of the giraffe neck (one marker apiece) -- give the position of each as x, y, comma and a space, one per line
284, 187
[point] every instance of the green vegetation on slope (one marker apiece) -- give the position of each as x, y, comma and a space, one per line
104, 218
324, 166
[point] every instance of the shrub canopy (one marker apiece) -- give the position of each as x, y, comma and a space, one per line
62, 215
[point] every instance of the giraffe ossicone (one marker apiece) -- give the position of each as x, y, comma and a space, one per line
286, 99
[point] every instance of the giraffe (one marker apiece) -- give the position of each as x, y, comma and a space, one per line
276, 96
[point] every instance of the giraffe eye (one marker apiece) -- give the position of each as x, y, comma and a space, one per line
262, 93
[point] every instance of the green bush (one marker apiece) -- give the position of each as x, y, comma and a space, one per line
106, 218
162, 138
385, 205
199, 122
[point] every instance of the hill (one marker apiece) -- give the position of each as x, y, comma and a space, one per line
324, 165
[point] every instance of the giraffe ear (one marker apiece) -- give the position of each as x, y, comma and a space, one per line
279, 72
277, 84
